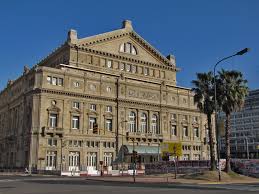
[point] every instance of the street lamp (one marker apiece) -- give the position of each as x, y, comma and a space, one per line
215, 101
122, 149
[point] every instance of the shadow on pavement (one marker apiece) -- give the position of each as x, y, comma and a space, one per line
123, 184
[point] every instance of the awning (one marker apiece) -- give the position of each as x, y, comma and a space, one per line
147, 150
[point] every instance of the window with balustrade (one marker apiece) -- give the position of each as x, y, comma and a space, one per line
143, 123
53, 120
154, 124
132, 121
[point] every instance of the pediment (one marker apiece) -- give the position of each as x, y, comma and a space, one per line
75, 111
53, 108
111, 42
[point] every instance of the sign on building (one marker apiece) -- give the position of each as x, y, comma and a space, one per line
171, 148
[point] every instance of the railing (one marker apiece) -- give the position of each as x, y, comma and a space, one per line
144, 135
183, 167
54, 130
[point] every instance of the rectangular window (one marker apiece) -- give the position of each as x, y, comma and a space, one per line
122, 66
186, 157
75, 122
108, 124
49, 79
53, 120
54, 142
107, 158
104, 144
76, 105
92, 120
185, 131
49, 142
73, 160
145, 71
128, 67
51, 160
91, 159
54, 81
127, 47
109, 63
60, 81
196, 132
173, 130
134, 69
93, 107
108, 108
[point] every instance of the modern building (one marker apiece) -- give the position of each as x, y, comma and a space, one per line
244, 136
91, 99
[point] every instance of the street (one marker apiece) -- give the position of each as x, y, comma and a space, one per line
51, 185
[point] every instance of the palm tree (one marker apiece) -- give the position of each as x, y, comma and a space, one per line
232, 90
204, 98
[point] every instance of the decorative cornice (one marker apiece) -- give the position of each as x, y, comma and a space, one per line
111, 99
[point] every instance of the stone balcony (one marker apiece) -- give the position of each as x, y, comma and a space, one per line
144, 136
52, 131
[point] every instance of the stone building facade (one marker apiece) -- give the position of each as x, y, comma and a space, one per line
116, 80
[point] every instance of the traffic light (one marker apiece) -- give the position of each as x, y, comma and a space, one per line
95, 128
135, 155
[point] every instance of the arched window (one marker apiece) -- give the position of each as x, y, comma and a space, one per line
154, 124
132, 121
143, 123
128, 48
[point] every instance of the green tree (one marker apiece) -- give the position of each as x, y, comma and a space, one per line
204, 98
231, 92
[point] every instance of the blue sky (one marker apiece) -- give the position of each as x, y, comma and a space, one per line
198, 33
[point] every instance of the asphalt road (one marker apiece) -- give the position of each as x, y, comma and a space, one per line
51, 185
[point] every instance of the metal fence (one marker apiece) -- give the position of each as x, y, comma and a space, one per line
182, 167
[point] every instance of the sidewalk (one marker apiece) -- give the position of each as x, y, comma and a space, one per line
170, 180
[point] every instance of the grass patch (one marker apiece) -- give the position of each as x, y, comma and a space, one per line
213, 176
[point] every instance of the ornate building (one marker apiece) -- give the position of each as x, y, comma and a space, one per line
114, 82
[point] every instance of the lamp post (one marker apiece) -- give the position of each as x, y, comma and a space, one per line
134, 160
215, 101
122, 149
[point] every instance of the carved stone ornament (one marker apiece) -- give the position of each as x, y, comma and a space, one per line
142, 95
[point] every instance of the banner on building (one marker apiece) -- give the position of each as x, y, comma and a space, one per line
171, 148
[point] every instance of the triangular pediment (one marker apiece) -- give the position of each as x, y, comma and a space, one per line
111, 42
